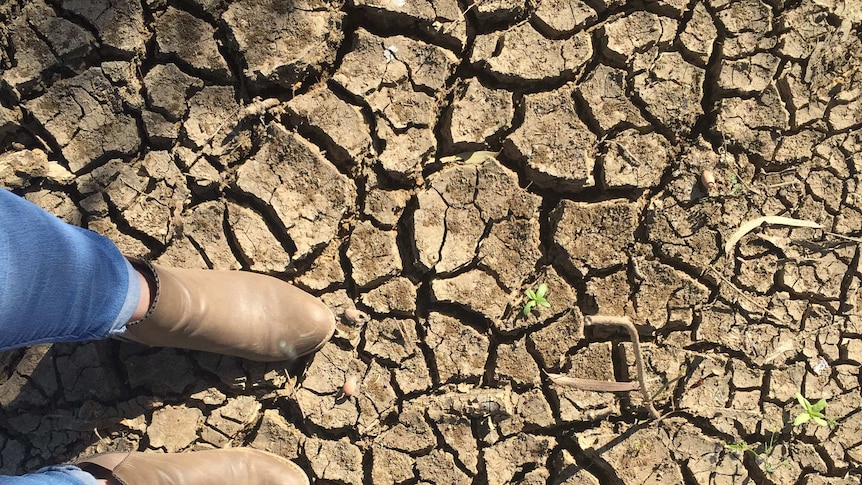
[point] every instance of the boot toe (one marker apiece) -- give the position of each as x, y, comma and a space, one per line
248, 315
314, 328
272, 468
234, 466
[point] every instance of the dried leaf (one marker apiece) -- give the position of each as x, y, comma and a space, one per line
592, 384
470, 158
751, 225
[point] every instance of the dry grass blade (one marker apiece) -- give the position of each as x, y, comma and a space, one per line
593, 384
470, 158
847, 238
753, 224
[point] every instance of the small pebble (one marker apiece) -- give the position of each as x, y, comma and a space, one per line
707, 178
355, 316
350, 386
821, 366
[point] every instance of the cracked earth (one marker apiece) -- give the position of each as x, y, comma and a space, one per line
419, 165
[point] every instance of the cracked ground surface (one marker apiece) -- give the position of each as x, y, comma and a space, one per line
418, 165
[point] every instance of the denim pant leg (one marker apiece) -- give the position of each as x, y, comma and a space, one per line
58, 282
53, 475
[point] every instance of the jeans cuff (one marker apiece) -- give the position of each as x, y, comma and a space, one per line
133, 296
56, 475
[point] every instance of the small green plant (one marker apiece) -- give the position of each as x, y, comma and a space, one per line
812, 412
536, 299
736, 187
742, 446
762, 457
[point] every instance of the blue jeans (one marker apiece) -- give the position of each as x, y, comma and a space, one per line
53, 475
58, 283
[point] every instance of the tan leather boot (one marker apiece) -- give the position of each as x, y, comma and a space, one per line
248, 315
234, 466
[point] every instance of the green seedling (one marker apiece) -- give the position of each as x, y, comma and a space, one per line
536, 299
762, 457
812, 412
736, 187
742, 446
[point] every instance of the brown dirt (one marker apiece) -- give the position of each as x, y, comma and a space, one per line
313, 140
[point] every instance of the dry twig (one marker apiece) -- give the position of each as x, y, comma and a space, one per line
613, 386
633, 333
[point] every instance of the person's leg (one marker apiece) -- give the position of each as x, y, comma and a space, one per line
53, 475
59, 283
146, 297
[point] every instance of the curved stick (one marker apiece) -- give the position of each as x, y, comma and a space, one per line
633, 332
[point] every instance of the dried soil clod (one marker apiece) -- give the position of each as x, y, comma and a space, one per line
471, 403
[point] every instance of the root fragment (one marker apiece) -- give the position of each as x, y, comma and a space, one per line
633, 333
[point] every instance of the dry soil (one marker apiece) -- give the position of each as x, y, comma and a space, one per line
420, 164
